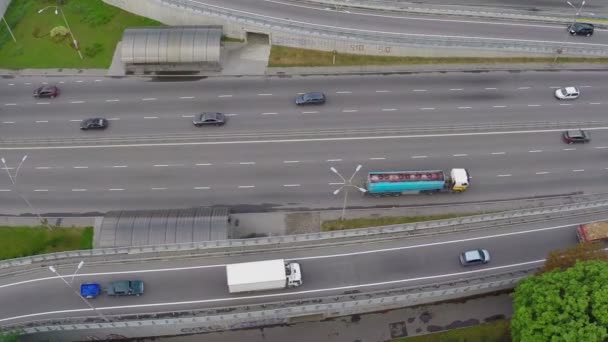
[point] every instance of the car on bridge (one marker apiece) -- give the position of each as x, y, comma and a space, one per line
209, 119
581, 29
126, 288
310, 98
94, 123
475, 257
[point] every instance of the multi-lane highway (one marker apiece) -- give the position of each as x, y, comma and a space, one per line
195, 284
504, 127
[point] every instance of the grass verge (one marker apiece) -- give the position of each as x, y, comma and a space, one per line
498, 331
16, 242
364, 222
96, 26
281, 56
233, 40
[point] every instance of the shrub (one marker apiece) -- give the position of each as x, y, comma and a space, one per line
58, 33
92, 50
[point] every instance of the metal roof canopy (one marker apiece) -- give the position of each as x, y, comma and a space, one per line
171, 45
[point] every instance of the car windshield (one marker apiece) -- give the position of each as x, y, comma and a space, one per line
472, 256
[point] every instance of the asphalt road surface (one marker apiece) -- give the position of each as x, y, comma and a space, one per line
201, 283
504, 127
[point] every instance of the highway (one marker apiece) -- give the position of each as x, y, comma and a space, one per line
200, 283
396, 24
504, 127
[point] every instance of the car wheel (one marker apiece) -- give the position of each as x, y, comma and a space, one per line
588, 34
218, 124
197, 125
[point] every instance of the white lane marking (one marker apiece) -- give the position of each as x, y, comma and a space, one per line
377, 158
533, 105
383, 91
119, 166
336, 183
42, 121
419, 90
554, 87
427, 108
246, 186
389, 109
349, 110
311, 112
81, 167
226, 95
497, 153
11, 84
499, 106
490, 88
79, 190
542, 173
465, 107
159, 188
523, 88
504, 175
247, 163
79, 81
270, 113
75, 120
187, 116
8, 122
204, 164
264, 94
601, 147
565, 104
116, 189
585, 86
98, 80
453, 89
5, 190
113, 119
535, 151
150, 117
418, 157
291, 185
168, 165
186, 97
460, 155
43, 167
269, 141
578, 170
45, 82
333, 160
41, 190
290, 161
344, 92
202, 188
231, 114
27, 83
594, 103
568, 149
10, 104
149, 99
76, 101
112, 100
42, 103
61, 82
7, 168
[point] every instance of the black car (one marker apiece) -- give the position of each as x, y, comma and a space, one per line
209, 118
94, 123
576, 136
46, 91
310, 98
581, 29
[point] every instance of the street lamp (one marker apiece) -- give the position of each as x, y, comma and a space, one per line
9, 29
69, 284
57, 11
347, 184
577, 12
14, 182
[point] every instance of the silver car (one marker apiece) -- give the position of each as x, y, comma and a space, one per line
475, 257
567, 93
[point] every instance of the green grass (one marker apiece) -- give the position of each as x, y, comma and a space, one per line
233, 40
95, 25
281, 56
330, 225
498, 331
16, 242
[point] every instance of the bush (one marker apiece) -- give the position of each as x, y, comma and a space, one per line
59, 33
92, 50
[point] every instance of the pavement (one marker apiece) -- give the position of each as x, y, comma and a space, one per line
374, 327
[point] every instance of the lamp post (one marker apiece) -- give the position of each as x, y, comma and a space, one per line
577, 12
9, 29
346, 185
14, 182
69, 284
57, 11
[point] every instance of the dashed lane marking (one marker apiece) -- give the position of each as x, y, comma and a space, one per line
42, 121
333, 160
116, 189
460, 155
75, 120
76, 101
504, 175
419, 90
112, 100
202, 188
150, 117
10, 104
542, 173
119, 166
568, 149
113, 119
336, 183
383, 91
389, 109
270, 113
578, 170
465, 107
344, 92
225, 95
80, 167
264, 94
290, 161
499, 106
291, 185
533, 105
186, 97
377, 158
247, 163
311, 112
490, 88
79, 190
204, 164
41, 190
349, 110
149, 99
8, 122
497, 153
427, 108
187, 116
535, 151
455, 89
419, 157
159, 188
246, 186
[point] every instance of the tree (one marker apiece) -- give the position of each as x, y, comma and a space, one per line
569, 305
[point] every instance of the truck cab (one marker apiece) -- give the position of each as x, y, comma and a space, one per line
293, 273
126, 288
460, 180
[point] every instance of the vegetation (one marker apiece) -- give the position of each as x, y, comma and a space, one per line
281, 56
563, 305
16, 242
44, 39
231, 39
497, 331
330, 225
9, 337
564, 259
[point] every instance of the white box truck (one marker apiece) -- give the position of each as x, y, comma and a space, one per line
263, 275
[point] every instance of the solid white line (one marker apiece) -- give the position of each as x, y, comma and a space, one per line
383, 91
201, 188
264, 94
79, 190
246, 186
159, 188
150, 117
311, 112
8, 122
498, 106
418, 157
204, 164
465, 107
224, 96
187, 116
349, 110
290, 185
578, 170
427, 108
389, 109
81, 167
290, 161
42, 121
460, 155
535, 151
113, 100
497, 153
76, 101
116, 189
334, 160
344, 92
41, 190
10, 104
186, 97
377, 158
542, 173
505, 175
270, 113
149, 99
247, 163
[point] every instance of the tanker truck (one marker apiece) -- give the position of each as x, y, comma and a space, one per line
395, 183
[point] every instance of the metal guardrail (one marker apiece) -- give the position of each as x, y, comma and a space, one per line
414, 40
324, 238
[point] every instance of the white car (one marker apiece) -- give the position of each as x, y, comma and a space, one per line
567, 93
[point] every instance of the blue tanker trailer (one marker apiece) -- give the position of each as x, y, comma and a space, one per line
395, 183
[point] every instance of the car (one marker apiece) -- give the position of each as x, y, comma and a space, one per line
576, 136
310, 98
46, 91
93, 123
126, 288
581, 29
475, 257
567, 93
209, 119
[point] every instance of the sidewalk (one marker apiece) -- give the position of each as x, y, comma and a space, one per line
375, 327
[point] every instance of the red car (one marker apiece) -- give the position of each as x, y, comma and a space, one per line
576, 136
46, 91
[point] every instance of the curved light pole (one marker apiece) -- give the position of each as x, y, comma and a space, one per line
9, 29
57, 11
14, 182
346, 185
69, 284
577, 12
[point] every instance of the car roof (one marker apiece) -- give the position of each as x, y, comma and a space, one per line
211, 114
576, 133
583, 25
571, 90
314, 94
473, 255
